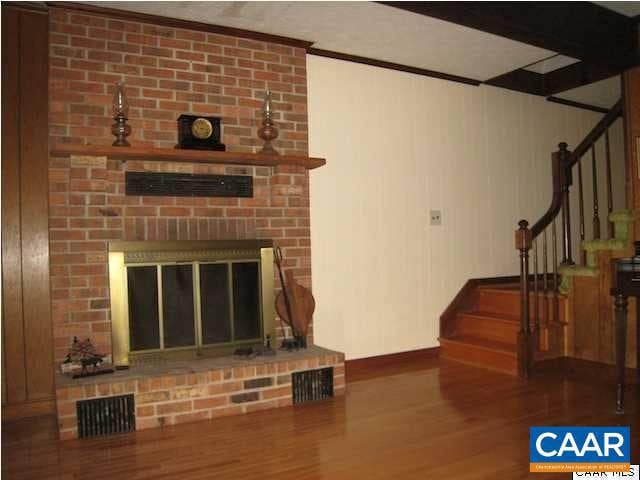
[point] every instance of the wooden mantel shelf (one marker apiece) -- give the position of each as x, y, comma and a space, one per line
151, 154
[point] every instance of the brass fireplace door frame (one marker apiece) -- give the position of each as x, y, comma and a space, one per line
123, 254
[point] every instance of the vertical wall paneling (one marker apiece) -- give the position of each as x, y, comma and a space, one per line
26, 311
12, 325
34, 204
399, 145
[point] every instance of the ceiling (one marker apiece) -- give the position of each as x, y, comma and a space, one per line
389, 34
604, 93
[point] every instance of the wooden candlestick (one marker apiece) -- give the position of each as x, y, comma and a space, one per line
268, 131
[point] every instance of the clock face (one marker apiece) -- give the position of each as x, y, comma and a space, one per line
201, 128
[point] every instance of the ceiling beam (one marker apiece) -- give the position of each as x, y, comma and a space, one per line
560, 80
581, 30
521, 81
580, 105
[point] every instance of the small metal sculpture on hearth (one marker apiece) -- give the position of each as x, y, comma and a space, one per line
120, 128
268, 131
83, 354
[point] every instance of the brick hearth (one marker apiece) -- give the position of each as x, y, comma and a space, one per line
181, 392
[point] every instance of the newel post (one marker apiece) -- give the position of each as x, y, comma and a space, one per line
523, 245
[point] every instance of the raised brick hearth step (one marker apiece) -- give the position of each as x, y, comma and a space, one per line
198, 390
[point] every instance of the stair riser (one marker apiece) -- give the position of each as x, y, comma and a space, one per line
479, 357
508, 303
498, 302
487, 328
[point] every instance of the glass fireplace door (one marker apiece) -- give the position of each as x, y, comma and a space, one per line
181, 299
178, 306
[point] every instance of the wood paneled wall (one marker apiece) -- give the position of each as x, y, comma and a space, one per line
28, 380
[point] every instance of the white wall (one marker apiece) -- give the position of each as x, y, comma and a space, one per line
398, 145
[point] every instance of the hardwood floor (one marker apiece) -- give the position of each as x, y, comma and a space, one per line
446, 420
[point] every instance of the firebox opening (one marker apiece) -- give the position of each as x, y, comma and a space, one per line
183, 299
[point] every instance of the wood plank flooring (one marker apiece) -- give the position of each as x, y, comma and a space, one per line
444, 420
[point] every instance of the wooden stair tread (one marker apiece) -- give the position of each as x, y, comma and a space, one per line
486, 315
516, 291
499, 291
500, 286
482, 343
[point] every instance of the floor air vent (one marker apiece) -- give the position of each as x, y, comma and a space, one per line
312, 385
104, 416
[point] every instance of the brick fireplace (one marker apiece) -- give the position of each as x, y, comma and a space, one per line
167, 72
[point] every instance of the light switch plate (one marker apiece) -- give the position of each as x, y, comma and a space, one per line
435, 217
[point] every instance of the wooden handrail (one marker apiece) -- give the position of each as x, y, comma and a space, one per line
561, 173
558, 176
595, 133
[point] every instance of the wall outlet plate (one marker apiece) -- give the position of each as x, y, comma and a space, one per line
435, 217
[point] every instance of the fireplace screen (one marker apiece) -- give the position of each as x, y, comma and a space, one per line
188, 297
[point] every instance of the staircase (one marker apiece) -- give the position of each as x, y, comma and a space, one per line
482, 329
508, 324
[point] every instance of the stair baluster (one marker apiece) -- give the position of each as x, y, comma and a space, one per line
536, 307
538, 331
554, 249
609, 190
545, 285
594, 170
583, 254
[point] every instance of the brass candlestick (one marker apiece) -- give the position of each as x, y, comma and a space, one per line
120, 128
268, 131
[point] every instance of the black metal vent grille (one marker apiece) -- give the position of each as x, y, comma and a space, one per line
312, 385
104, 416
188, 185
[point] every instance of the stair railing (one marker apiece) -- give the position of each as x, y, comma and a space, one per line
534, 332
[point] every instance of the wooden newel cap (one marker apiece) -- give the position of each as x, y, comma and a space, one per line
563, 151
523, 236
